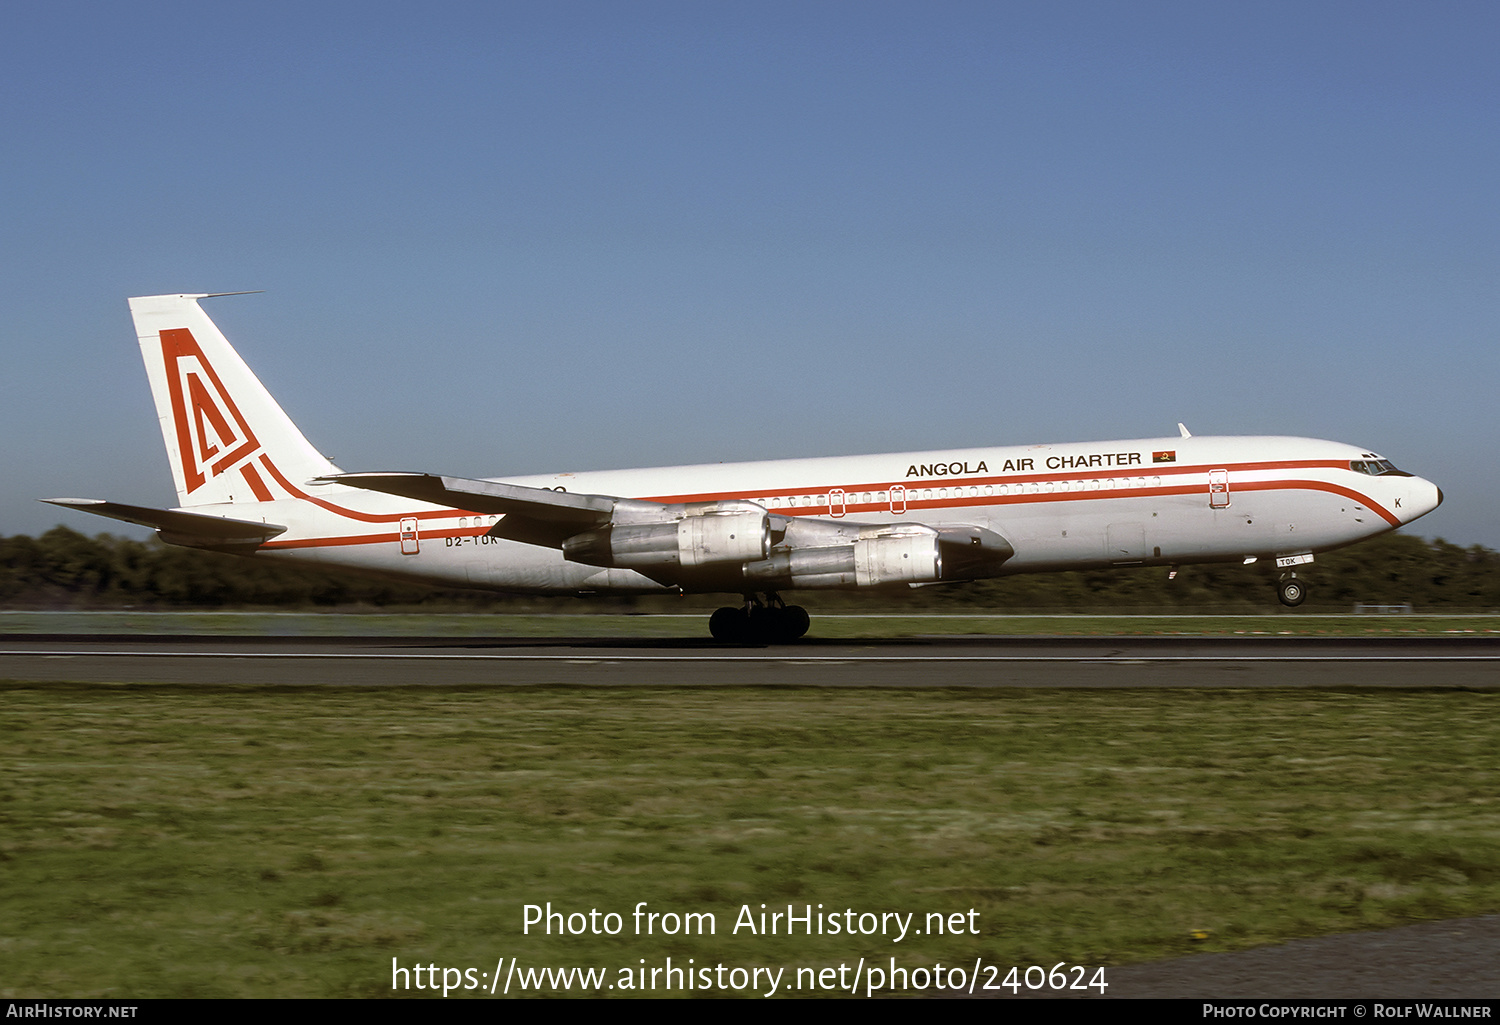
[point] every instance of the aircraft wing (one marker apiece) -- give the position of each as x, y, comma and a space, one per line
538, 516
728, 542
180, 527
483, 496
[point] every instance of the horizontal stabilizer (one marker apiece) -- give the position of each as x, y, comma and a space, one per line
483, 496
194, 530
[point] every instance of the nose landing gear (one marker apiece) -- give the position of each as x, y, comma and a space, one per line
1291, 591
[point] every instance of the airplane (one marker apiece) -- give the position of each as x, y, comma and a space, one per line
249, 483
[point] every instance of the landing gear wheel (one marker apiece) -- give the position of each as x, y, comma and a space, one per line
765, 624
778, 624
1292, 592
794, 622
729, 624
757, 623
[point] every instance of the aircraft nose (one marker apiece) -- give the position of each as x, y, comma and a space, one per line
1424, 497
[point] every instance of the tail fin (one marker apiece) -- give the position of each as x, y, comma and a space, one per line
227, 439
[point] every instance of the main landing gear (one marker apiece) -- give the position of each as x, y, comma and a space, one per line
1291, 591
771, 622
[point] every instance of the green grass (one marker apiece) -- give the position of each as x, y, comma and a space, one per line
160, 841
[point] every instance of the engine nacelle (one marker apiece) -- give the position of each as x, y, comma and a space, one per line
718, 537
868, 562
904, 559
640, 545
699, 538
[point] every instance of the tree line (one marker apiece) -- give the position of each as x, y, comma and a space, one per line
65, 569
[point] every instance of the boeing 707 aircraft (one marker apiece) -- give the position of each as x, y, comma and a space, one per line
248, 482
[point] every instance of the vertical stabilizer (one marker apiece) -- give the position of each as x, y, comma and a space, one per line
227, 439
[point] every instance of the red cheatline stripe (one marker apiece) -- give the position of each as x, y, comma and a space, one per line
1078, 473
372, 539
1308, 485
935, 503
363, 517
1156, 471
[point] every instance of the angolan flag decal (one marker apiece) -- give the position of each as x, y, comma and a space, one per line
1164, 457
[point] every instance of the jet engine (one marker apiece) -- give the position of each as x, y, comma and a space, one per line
705, 535
867, 562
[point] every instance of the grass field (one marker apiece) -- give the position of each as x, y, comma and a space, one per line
160, 841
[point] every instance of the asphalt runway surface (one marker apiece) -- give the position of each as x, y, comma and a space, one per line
988, 661
1450, 960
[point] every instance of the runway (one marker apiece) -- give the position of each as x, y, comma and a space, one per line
1054, 662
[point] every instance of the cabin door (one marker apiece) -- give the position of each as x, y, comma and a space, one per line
1218, 489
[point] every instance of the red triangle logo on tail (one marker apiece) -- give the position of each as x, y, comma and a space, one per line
212, 436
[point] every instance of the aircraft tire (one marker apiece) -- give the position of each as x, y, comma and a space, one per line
764, 626
1291, 592
794, 622
778, 625
728, 624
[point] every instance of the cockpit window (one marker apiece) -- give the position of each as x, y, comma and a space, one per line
1377, 467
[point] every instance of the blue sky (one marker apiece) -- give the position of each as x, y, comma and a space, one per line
510, 238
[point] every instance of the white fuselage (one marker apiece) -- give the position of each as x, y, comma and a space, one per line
1160, 501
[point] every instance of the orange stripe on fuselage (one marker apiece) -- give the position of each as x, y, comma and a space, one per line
1092, 496
372, 539
352, 514
1155, 470
883, 508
